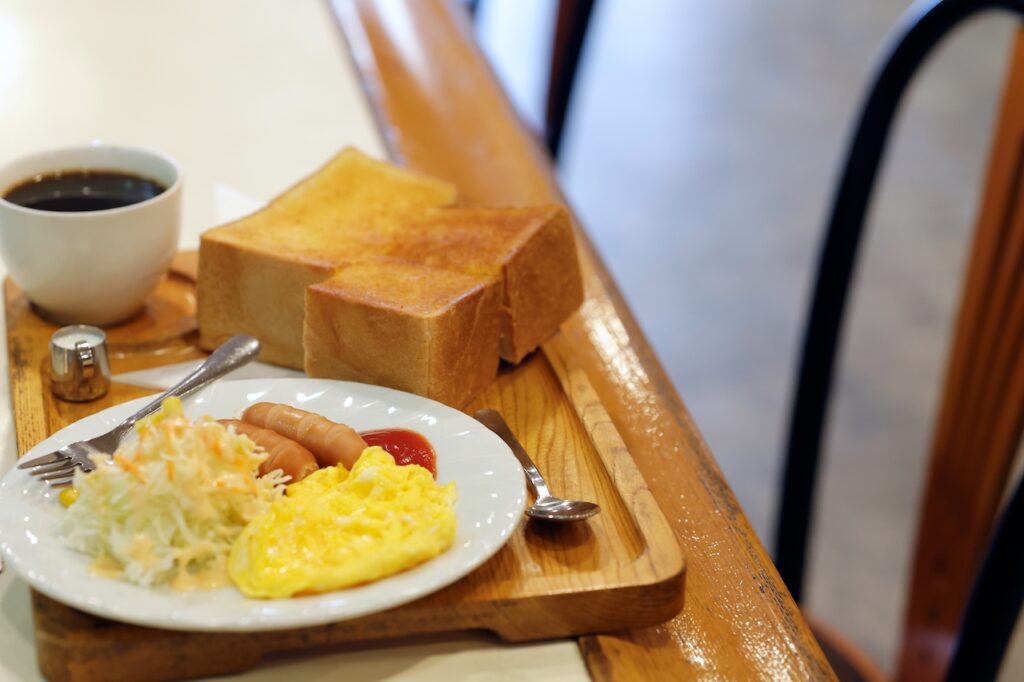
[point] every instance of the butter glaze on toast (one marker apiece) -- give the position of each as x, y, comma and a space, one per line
364, 271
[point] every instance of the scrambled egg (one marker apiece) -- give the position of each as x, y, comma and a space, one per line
335, 529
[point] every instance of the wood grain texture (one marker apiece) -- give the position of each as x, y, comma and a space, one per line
166, 324
621, 568
441, 111
982, 410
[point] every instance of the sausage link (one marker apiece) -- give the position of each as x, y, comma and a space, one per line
282, 453
331, 443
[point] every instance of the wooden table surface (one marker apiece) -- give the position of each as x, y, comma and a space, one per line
441, 111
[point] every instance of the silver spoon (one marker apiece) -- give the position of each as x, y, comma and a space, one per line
546, 506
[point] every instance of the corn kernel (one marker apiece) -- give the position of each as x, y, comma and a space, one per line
68, 496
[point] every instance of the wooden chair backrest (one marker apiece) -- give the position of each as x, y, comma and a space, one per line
981, 416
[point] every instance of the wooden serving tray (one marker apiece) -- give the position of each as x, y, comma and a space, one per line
621, 569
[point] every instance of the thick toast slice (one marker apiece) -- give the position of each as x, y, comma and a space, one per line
253, 272
366, 271
429, 331
531, 250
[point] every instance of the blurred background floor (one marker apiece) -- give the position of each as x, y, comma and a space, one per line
701, 150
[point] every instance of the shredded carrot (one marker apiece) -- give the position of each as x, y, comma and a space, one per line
130, 466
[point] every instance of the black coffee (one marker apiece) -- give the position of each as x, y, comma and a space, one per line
82, 190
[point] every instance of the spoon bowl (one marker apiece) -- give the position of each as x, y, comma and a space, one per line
546, 507
556, 509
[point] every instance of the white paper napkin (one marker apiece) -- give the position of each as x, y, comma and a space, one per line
168, 375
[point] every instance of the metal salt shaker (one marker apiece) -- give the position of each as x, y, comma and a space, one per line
79, 369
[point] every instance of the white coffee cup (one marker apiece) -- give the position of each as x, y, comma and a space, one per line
91, 267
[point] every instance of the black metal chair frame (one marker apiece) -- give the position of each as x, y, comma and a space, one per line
566, 57
566, 50
924, 25
995, 600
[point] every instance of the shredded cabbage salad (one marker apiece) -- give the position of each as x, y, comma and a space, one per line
167, 506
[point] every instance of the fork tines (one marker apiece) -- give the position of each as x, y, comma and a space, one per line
56, 468
64, 464
56, 456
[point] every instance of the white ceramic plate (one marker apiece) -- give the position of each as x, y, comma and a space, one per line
491, 498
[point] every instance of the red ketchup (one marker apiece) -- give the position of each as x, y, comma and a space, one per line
407, 447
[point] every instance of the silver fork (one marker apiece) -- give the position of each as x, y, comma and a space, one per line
58, 467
